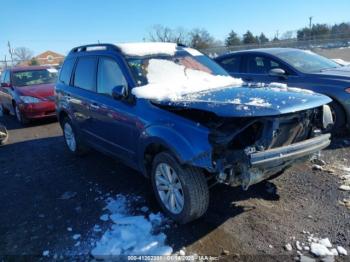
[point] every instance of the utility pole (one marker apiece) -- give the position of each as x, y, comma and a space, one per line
10, 51
310, 21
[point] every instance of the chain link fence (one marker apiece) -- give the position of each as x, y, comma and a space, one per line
331, 48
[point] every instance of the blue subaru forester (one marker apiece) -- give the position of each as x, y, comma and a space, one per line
176, 116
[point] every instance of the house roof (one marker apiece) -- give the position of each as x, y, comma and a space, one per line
47, 53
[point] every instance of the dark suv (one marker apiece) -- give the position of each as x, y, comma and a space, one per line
176, 116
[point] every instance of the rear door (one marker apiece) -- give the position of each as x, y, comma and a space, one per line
82, 95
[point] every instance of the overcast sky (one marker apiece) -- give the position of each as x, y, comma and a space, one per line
60, 25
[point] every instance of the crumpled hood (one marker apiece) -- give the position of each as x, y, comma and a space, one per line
244, 101
39, 91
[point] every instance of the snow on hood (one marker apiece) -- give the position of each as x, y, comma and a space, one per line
144, 49
279, 87
169, 81
341, 62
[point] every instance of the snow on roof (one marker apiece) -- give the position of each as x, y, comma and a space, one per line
143, 49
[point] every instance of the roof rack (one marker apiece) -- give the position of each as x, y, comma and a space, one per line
94, 47
181, 45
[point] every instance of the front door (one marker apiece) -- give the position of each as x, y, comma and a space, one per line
257, 68
114, 121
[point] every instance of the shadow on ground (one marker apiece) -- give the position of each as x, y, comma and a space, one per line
35, 173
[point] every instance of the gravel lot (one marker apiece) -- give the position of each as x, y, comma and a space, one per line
36, 170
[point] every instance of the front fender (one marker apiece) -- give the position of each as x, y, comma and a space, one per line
189, 145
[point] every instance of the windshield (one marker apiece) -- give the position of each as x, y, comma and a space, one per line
307, 61
140, 67
34, 77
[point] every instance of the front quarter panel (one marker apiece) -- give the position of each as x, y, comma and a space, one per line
187, 141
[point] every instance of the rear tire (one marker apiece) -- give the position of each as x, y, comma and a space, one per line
72, 140
186, 190
4, 111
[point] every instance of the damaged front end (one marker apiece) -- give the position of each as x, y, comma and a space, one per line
247, 151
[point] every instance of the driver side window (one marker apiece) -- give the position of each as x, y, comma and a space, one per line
109, 76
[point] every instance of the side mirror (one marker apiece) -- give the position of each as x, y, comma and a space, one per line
6, 85
279, 72
120, 92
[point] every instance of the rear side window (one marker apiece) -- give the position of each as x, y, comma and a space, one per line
2, 78
109, 76
66, 71
85, 73
7, 79
231, 64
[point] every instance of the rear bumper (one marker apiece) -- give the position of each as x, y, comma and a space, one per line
280, 156
38, 110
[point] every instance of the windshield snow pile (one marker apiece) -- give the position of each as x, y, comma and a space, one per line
169, 81
145, 49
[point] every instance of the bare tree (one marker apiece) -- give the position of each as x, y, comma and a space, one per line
161, 33
201, 39
23, 53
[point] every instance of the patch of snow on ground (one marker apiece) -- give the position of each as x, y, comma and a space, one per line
130, 234
144, 49
320, 247
169, 81
342, 251
320, 250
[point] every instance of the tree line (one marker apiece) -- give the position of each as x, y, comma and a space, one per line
200, 38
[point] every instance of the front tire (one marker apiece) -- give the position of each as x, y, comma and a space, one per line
338, 117
19, 116
182, 192
71, 139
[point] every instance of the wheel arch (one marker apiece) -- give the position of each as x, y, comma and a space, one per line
62, 114
193, 152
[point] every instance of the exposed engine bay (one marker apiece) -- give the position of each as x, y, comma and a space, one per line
248, 150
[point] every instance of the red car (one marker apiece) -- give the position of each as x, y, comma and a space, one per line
28, 92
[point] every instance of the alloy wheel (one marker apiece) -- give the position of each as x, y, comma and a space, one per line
70, 137
169, 188
18, 114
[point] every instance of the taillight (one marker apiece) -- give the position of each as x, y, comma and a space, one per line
347, 90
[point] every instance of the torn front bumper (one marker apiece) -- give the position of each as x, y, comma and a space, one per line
259, 166
279, 156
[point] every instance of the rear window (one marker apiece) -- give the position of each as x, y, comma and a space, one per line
85, 73
66, 71
34, 77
